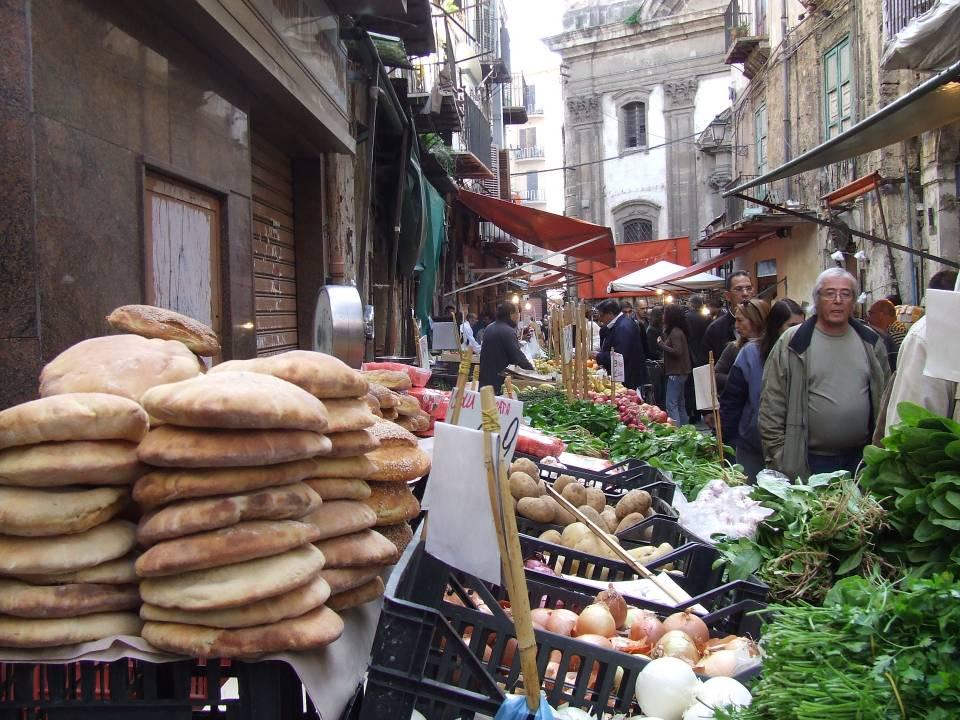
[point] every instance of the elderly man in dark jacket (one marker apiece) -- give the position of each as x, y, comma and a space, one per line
501, 347
623, 336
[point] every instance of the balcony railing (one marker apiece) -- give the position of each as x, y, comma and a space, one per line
533, 195
743, 34
898, 13
514, 100
527, 153
472, 148
737, 209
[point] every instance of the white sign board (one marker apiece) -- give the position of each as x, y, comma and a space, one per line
616, 366
511, 414
424, 353
943, 335
567, 343
703, 389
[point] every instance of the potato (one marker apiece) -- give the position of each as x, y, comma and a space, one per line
551, 536
561, 482
609, 517
596, 499
533, 508
563, 516
576, 494
525, 465
573, 532
522, 485
647, 554
554, 508
629, 521
635, 501
594, 516
650, 512
595, 546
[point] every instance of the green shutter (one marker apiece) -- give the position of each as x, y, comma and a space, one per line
838, 89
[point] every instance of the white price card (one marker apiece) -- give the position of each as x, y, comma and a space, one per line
616, 366
424, 353
511, 415
943, 335
567, 343
703, 386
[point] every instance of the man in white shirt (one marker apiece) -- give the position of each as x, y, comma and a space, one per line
466, 333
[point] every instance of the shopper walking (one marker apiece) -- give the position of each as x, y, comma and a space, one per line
880, 316
623, 336
676, 361
501, 347
466, 333
739, 289
697, 321
822, 385
740, 400
749, 320
654, 332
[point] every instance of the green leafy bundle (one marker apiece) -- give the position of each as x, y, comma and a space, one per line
582, 425
818, 531
874, 651
917, 475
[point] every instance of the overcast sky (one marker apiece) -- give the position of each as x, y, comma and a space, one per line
528, 21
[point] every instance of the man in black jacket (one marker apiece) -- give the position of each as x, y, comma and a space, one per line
624, 337
501, 347
721, 330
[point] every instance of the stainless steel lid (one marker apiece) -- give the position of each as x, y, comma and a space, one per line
338, 324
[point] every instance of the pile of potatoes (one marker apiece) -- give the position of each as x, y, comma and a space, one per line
579, 537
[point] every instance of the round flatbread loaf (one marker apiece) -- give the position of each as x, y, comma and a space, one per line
272, 610
323, 376
315, 629
341, 517
73, 416
370, 590
126, 365
170, 446
392, 435
353, 467
28, 633
348, 414
340, 488
390, 414
236, 401
113, 572
165, 486
400, 535
28, 601
52, 555
192, 516
392, 503
386, 397
408, 405
153, 322
366, 547
58, 511
390, 379
352, 443
342, 579
373, 404
234, 585
79, 462
398, 464
237, 543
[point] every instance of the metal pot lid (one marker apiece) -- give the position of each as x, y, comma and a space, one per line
338, 324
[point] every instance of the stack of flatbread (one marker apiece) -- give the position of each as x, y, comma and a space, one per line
66, 557
229, 568
356, 555
398, 407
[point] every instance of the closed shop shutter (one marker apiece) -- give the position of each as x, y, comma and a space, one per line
274, 258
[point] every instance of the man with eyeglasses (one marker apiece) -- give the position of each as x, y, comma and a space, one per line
822, 385
721, 331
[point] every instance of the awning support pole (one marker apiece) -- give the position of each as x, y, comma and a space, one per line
886, 234
856, 233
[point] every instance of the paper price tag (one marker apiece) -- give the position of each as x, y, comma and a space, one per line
616, 366
703, 388
511, 414
943, 323
424, 353
567, 343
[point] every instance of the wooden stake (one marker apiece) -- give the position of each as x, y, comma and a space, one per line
508, 387
613, 383
511, 557
462, 376
587, 348
567, 370
716, 408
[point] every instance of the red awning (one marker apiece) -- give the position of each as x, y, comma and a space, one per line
712, 262
631, 257
543, 229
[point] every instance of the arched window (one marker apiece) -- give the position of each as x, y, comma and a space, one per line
637, 231
633, 121
636, 221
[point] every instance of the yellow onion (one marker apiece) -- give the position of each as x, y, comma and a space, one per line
562, 622
596, 620
615, 604
690, 624
647, 627
677, 644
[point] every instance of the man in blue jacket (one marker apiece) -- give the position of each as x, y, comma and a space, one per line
623, 336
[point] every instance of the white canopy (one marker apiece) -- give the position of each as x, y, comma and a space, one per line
649, 277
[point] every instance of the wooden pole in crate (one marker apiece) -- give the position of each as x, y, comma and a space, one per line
613, 383
508, 387
511, 557
579, 360
475, 385
462, 376
586, 346
716, 408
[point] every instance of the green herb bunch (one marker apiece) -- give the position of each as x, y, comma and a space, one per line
582, 425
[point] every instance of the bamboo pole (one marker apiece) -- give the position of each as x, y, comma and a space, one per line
613, 383
511, 557
716, 408
584, 333
567, 376
475, 384
508, 387
579, 361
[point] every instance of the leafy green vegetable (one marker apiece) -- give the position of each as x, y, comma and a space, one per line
581, 425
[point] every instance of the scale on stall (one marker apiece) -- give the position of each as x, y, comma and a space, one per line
339, 324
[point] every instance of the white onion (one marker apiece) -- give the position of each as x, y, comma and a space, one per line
572, 713
417, 715
724, 692
666, 687
722, 663
699, 711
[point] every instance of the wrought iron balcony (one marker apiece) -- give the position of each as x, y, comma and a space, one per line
532, 152
533, 195
472, 152
746, 40
898, 13
515, 95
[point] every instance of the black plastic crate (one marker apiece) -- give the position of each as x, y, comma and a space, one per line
451, 660
662, 509
616, 480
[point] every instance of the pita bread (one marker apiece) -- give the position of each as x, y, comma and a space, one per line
314, 629
370, 590
390, 414
341, 517
390, 379
342, 579
399, 464
233, 585
373, 404
73, 416
51, 632
408, 405
392, 503
58, 511
387, 398
358, 467
113, 572
170, 446
400, 535
348, 414
153, 322
323, 376
366, 547
28, 601
352, 443
192, 516
340, 488
271, 610
52, 555
392, 435
126, 365
236, 401
78, 462
165, 486
234, 544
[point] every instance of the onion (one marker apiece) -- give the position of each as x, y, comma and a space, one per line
666, 688
647, 627
724, 692
598, 640
677, 644
690, 624
699, 711
632, 647
722, 663
416, 715
615, 604
572, 713
562, 622
540, 617
596, 620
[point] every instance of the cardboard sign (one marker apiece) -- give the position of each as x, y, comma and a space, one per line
943, 335
703, 389
424, 353
616, 366
567, 343
511, 414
